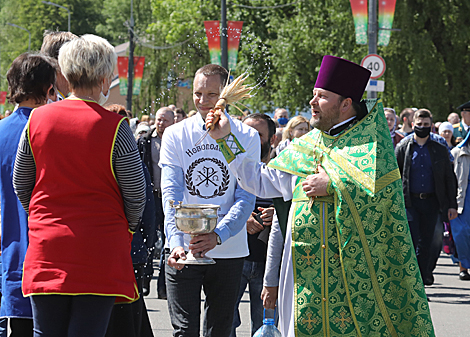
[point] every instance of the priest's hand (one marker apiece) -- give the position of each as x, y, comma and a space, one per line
176, 254
452, 213
269, 297
221, 128
315, 185
202, 243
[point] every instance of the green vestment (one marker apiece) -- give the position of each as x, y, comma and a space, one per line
355, 269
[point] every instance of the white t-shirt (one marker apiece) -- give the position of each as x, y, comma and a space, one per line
207, 177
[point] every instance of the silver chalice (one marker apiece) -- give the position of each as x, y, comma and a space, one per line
195, 219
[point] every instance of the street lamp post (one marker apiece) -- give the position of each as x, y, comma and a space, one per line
53, 4
372, 36
130, 67
223, 35
29, 42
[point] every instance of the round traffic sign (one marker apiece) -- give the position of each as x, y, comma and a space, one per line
375, 64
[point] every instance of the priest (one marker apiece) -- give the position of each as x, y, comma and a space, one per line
349, 266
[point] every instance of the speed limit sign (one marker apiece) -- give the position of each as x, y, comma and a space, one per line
375, 64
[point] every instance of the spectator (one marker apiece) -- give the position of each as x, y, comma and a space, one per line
132, 320
51, 44
149, 148
119, 109
30, 78
453, 118
7, 113
461, 225
391, 117
258, 228
461, 129
406, 117
142, 130
82, 209
145, 118
179, 115
199, 175
422, 163
446, 131
172, 107
191, 113
281, 116
296, 128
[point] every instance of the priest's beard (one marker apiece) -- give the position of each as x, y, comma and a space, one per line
265, 151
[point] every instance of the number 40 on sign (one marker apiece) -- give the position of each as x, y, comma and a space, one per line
375, 64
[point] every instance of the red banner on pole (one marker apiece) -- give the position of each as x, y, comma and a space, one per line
213, 40
123, 68
386, 14
3, 96
359, 11
234, 32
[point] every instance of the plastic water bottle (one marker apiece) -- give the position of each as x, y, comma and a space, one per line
268, 329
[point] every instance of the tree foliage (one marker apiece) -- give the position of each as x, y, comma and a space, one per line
281, 48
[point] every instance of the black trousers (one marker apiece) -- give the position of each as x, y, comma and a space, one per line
220, 282
422, 217
131, 320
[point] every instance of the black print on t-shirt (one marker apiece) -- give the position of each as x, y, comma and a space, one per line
207, 178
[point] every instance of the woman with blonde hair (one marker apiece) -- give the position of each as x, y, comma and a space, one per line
295, 128
79, 176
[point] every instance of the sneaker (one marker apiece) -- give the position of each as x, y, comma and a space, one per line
464, 275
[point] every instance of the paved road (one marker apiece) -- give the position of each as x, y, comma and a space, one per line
449, 302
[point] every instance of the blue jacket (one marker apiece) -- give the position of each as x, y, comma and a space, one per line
14, 220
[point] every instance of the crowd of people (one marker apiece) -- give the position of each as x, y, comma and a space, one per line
358, 196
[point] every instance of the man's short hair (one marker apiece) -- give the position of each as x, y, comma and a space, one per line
405, 113
30, 77
180, 111
53, 40
422, 113
357, 107
212, 70
260, 116
279, 110
87, 60
165, 110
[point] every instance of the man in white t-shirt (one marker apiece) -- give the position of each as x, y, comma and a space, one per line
200, 175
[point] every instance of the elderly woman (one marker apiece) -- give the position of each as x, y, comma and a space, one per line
79, 176
446, 130
295, 128
461, 225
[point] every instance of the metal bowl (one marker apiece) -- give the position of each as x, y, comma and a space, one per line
196, 218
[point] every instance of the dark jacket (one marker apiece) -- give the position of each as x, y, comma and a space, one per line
144, 145
445, 181
144, 237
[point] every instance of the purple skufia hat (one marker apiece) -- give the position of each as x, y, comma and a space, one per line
342, 77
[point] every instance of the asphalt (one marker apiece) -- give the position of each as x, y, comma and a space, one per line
449, 302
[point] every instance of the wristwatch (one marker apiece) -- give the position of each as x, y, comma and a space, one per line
219, 240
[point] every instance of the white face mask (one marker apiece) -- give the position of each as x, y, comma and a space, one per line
103, 99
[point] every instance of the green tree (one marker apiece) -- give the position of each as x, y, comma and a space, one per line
38, 17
